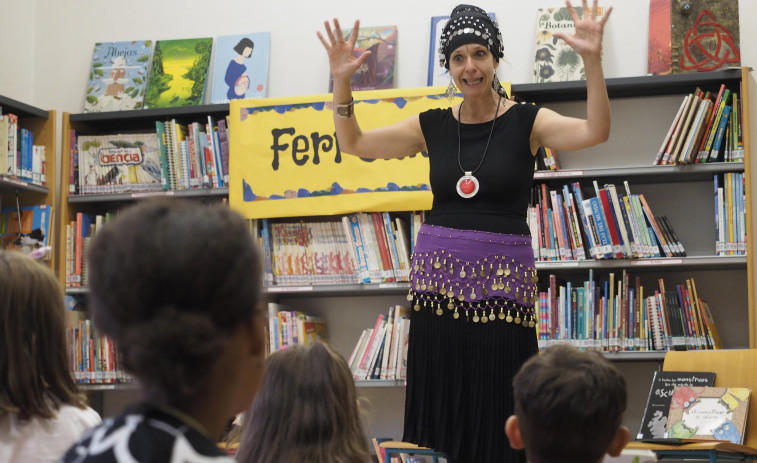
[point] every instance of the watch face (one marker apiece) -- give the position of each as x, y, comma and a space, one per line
344, 111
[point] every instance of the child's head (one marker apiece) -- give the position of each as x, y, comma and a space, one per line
35, 375
568, 407
173, 282
306, 410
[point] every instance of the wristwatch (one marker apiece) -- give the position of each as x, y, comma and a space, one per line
346, 110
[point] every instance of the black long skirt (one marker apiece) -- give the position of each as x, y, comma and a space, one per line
459, 385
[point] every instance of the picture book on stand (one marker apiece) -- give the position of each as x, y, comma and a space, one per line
118, 76
438, 75
240, 67
658, 55
704, 36
378, 70
708, 414
178, 73
655, 419
555, 60
119, 163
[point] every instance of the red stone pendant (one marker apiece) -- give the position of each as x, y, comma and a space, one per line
467, 186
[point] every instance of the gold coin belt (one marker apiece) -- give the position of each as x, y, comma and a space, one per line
494, 287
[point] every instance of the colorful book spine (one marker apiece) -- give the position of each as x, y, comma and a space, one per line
599, 221
352, 225
718, 140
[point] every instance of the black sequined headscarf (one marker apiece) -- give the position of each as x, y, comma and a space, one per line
469, 24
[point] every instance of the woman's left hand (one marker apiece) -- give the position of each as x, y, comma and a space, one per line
587, 39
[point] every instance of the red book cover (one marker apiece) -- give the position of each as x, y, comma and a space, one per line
612, 225
658, 59
386, 258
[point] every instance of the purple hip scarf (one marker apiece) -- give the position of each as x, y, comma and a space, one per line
485, 276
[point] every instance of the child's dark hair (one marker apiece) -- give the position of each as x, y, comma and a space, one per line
569, 405
169, 281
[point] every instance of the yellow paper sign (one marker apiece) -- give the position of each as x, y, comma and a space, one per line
285, 160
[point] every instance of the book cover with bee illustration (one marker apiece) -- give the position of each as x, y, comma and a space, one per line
118, 76
708, 414
121, 163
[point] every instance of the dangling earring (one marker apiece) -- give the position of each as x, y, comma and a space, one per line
497, 86
451, 90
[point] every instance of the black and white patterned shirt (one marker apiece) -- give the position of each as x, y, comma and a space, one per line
145, 434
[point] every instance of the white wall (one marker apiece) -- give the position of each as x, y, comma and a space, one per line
17, 54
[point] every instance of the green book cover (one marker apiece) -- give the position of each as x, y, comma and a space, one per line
178, 73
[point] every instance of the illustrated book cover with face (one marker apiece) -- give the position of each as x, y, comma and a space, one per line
555, 60
118, 76
708, 413
377, 72
119, 163
439, 75
654, 422
240, 67
178, 73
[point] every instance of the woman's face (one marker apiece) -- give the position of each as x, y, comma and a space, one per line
247, 52
472, 67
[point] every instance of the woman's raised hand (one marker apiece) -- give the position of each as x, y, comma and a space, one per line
342, 60
587, 39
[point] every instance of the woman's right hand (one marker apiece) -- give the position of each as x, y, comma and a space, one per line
342, 60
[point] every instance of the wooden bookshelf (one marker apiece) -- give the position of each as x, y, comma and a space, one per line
43, 124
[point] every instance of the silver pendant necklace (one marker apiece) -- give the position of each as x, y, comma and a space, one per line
467, 186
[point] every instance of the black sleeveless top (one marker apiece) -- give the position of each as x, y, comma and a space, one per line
505, 176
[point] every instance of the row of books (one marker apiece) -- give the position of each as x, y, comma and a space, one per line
706, 128
93, 357
19, 156
621, 316
175, 157
195, 155
546, 159
79, 233
366, 247
381, 351
730, 214
608, 225
26, 228
291, 327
